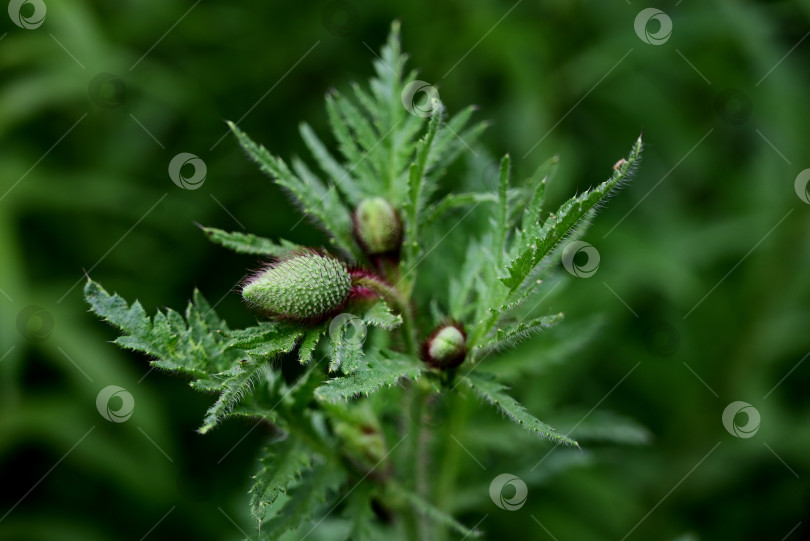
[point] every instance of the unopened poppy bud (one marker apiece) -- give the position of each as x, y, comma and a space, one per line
446, 347
302, 286
377, 226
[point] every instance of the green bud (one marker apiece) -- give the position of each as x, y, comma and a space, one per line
446, 347
377, 226
302, 286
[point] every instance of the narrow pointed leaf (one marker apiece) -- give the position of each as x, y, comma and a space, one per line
560, 224
376, 373
245, 243
281, 467
485, 386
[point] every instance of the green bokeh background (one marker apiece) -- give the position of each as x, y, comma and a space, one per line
711, 216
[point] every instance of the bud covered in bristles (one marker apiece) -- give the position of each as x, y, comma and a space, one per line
377, 226
300, 286
446, 347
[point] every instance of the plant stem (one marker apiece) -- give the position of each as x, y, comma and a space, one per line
448, 467
393, 296
417, 466
416, 454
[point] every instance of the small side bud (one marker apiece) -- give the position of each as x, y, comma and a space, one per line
446, 347
301, 286
377, 226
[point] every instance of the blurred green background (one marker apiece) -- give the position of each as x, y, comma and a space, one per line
702, 286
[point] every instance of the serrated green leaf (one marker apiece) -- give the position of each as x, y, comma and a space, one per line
309, 343
245, 243
462, 284
317, 200
416, 196
380, 315
363, 133
348, 146
250, 336
535, 192
300, 509
260, 344
265, 340
282, 466
380, 370
522, 330
485, 386
236, 384
453, 139
187, 346
339, 174
275, 344
347, 333
519, 332
560, 224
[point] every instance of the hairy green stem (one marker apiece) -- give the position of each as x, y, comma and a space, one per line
448, 467
393, 296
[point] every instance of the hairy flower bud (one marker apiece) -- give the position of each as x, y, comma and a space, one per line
446, 347
377, 226
302, 286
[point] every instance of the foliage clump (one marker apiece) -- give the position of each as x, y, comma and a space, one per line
342, 418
